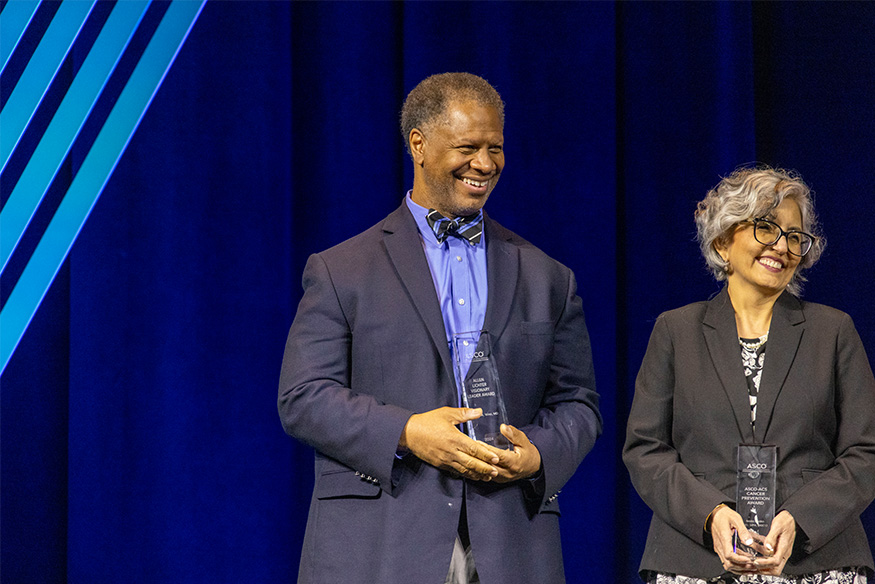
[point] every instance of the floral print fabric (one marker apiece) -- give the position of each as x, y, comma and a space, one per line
753, 355
846, 576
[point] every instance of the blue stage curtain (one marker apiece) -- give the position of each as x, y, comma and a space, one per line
140, 439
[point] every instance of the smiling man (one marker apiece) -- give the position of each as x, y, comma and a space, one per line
401, 493
458, 155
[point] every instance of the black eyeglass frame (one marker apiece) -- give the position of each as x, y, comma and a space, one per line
782, 233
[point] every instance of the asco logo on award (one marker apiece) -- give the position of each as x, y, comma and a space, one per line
754, 468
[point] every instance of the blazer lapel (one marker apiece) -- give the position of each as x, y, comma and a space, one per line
502, 272
721, 338
404, 246
785, 334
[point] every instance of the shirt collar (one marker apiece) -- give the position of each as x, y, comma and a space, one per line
419, 212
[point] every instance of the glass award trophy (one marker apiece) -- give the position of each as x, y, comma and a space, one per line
480, 387
755, 488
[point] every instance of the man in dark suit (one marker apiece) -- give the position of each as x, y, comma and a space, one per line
401, 493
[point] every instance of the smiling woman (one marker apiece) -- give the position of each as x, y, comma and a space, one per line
744, 196
756, 271
755, 366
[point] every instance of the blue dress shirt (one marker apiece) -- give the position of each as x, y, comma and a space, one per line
458, 270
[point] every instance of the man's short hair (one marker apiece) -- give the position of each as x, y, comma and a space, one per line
427, 102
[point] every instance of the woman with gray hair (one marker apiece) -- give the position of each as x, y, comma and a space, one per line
752, 430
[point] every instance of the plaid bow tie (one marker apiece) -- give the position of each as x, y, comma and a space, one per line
469, 228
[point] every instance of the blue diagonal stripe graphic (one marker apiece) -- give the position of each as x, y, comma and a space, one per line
94, 172
66, 124
40, 71
13, 22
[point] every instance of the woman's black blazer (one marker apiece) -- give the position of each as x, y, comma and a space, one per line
816, 402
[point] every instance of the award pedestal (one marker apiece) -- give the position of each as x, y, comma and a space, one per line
480, 387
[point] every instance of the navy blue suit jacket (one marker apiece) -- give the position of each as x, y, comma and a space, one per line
368, 348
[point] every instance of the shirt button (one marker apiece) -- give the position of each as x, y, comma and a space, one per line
458, 258
462, 301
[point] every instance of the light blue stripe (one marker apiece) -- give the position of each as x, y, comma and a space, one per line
66, 124
13, 22
40, 71
94, 173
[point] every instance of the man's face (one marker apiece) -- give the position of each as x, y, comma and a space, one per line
458, 164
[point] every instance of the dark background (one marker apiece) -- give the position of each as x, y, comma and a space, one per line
140, 439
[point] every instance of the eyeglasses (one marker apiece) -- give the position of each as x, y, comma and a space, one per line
768, 233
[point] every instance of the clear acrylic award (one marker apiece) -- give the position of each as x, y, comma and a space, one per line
480, 387
756, 484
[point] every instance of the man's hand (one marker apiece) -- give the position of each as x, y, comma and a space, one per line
724, 522
434, 438
778, 545
521, 462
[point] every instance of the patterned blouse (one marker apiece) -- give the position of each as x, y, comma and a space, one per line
753, 354
857, 576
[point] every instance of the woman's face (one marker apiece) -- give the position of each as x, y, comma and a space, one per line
762, 269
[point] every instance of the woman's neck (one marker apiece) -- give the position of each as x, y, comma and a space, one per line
753, 311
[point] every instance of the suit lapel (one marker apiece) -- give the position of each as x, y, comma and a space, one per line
502, 271
404, 246
721, 338
785, 333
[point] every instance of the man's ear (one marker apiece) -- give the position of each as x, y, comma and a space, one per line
417, 145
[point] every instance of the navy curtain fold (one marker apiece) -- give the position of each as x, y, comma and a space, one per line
140, 440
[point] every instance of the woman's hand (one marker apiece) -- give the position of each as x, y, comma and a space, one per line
778, 545
724, 523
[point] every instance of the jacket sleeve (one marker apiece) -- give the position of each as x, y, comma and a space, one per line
316, 403
568, 421
664, 483
825, 506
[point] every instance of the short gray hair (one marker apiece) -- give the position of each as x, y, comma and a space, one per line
427, 102
748, 193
